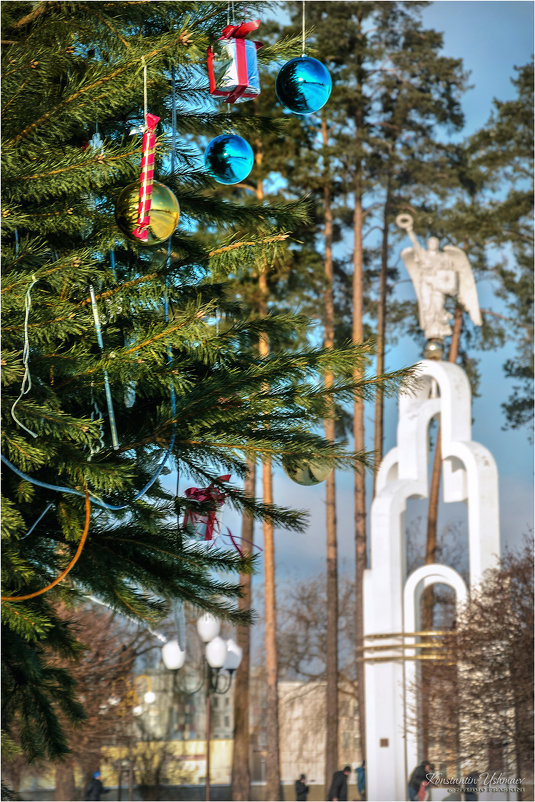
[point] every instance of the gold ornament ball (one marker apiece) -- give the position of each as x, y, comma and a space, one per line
307, 471
164, 213
434, 349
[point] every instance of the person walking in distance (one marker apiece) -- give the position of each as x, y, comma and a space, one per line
361, 779
470, 786
419, 776
301, 789
94, 788
338, 789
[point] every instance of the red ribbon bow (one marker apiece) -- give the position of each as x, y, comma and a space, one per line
241, 30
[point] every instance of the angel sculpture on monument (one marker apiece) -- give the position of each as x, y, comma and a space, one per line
436, 274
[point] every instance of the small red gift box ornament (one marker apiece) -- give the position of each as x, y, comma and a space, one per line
233, 65
205, 524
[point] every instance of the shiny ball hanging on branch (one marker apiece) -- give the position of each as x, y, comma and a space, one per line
307, 471
229, 158
164, 214
303, 85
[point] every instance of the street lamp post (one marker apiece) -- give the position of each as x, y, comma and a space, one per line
208, 736
216, 653
221, 657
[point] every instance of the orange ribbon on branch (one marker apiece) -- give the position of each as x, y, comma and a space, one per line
70, 565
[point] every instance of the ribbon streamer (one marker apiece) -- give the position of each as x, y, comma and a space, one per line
232, 540
109, 399
112, 264
94, 499
27, 379
96, 414
32, 527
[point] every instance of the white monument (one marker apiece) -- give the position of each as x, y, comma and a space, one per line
391, 597
435, 275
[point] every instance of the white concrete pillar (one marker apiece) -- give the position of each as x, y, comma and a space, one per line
390, 600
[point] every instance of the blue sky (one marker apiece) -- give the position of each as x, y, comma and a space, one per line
491, 38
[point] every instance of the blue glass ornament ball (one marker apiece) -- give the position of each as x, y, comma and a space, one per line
229, 158
303, 85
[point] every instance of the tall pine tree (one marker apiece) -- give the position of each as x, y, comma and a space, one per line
393, 92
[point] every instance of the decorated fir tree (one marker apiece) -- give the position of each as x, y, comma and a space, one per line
116, 368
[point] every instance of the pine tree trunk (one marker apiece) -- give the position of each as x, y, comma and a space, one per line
270, 614
381, 327
65, 787
273, 784
358, 407
272, 693
428, 596
331, 726
360, 485
241, 775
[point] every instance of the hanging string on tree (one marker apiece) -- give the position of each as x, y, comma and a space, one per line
172, 396
97, 501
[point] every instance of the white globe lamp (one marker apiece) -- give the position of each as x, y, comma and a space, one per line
172, 655
216, 652
234, 655
208, 627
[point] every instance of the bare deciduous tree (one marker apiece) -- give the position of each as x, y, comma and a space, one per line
480, 699
104, 686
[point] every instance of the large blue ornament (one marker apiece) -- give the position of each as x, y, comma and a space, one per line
229, 158
303, 85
